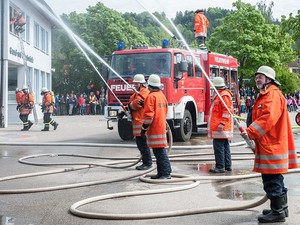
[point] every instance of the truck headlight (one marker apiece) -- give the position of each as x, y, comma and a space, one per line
113, 113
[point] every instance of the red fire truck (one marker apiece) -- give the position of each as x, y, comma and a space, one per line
186, 88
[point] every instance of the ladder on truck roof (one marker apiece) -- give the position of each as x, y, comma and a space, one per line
27, 76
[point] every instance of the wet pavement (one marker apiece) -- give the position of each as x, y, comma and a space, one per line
52, 207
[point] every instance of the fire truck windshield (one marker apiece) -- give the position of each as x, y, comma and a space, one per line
128, 65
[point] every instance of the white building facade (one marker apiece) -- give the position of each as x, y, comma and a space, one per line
37, 45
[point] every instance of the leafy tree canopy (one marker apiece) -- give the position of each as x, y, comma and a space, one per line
247, 36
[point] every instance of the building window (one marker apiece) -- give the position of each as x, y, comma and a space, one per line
36, 35
17, 20
43, 79
43, 37
48, 81
27, 29
36, 84
12, 84
47, 42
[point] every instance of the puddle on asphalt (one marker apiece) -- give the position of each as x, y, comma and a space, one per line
6, 220
243, 189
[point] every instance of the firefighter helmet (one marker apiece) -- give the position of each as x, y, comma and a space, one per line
218, 82
25, 88
44, 89
268, 72
154, 81
139, 78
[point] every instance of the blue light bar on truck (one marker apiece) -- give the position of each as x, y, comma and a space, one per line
165, 43
121, 45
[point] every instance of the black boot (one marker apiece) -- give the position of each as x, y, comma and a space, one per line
25, 128
55, 125
277, 213
30, 124
285, 207
46, 128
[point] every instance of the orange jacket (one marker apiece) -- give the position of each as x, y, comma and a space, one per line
200, 25
220, 115
47, 103
272, 133
137, 111
155, 115
19, 97
26, 102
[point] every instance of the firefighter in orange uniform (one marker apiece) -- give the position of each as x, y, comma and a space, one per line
200, 27
18, 21
136, 104
220, 126
154, 126
275, 151
47, 109
25, 104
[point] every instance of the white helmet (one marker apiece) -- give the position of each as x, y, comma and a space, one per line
268, 72
44, 89
154, 80
218, 82
18, 89
139, 78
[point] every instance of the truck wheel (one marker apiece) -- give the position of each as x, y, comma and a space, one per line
297, 118
125, 129
184, 132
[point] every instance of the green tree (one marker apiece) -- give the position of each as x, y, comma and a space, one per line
292, 25
247, 36
101, 28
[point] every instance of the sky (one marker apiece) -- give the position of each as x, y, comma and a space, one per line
170, 7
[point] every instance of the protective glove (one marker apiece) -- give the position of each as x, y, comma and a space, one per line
121, 115
143, 130
141, 103
220, 127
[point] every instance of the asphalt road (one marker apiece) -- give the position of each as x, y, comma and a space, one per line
52, 207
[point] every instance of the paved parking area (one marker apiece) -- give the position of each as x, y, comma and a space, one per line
52, 207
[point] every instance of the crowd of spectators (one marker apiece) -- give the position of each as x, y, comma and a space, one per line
81, 103
248, 96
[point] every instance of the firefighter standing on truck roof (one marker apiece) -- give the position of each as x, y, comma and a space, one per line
136, 104
47, 109
200, 27
275, 150
154, 126
25, 103
220, 126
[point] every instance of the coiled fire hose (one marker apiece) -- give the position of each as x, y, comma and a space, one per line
74, 209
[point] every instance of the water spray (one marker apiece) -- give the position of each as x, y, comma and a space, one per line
78, 42
242, 130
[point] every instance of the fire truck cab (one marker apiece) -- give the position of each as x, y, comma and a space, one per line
185, 86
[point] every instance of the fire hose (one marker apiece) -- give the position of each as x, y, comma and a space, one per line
177, 178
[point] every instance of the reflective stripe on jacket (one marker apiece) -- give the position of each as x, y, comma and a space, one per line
219, 114
200, 24
271, 130
155, 115
137, 111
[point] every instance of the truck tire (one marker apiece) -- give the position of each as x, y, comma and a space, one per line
297, 118
184, 132
125, 129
